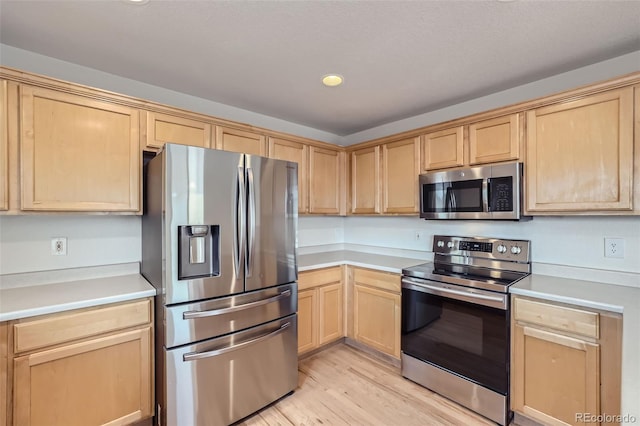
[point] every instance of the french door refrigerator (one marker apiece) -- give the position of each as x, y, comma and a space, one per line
219, 245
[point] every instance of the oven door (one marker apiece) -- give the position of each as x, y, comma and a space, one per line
461, 330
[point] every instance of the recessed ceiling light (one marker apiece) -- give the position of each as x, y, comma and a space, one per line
332, 80
136, 2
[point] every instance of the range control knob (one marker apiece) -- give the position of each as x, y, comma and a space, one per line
502, 248
440, 243
515, 250
450, 244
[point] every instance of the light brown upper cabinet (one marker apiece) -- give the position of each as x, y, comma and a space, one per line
400, 170
365, 180
326, 181
4, 149
497, 139
384, 178
235, 140
78, 153
158, 128
297, 152
443, 149
580, 155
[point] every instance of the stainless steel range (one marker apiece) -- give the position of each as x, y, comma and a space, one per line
455, 320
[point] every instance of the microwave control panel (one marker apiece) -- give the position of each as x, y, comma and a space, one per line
501, 194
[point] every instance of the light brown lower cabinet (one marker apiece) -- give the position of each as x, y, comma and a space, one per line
376, 309
320, 308
91, 367
565, 362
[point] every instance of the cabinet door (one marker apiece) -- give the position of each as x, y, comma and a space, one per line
307, 320
4, 373
400, 170
4, 151
377, 319
236, 140
78, 153
580, 154
164, 128
93, 382
330, 310
325, 180
554, 376
298, 153
443, 149
497, 139
365, 180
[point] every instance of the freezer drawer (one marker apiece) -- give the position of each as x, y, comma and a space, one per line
188, 323
222, 380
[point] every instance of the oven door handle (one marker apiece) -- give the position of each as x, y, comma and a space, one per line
194, 356
222, 311
482, 299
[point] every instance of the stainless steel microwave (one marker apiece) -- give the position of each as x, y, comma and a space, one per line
484, 192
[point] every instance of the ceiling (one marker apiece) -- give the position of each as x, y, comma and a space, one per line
399, 59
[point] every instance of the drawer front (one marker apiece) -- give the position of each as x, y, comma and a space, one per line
310, 279
381, 280
76, 325
560, 318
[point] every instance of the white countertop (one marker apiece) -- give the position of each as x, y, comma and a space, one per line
606, 297
22, 301
380, 262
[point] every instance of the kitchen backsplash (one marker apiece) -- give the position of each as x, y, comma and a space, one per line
25, 241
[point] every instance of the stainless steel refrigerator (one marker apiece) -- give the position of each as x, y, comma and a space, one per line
219, 245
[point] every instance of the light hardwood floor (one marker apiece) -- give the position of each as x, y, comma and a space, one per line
344, 386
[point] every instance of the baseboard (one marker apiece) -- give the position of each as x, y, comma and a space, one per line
373, 352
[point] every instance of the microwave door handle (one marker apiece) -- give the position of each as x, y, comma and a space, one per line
486, 195
447, 200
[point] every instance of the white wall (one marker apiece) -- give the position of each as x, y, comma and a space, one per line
572, 241
25, 241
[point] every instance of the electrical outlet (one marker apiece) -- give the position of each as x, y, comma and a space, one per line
419, 235
59, 246
614, 247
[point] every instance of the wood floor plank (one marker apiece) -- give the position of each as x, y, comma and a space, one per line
344, 386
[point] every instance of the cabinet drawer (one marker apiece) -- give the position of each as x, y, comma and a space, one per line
381, 280
318, 277
76, 325
560, 318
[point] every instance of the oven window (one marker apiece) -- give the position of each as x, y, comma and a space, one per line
462, 196
469, 340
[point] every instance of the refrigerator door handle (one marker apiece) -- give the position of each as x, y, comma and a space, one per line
251, 231
194, 356
239, 221
203, 314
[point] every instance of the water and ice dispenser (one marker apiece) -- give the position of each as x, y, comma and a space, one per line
198, 251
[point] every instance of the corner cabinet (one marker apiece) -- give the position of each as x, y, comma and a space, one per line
365, 180
580, 155
376, 309
91, 366
384, 178
320, 308
565, 361
326, 181
78, 153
